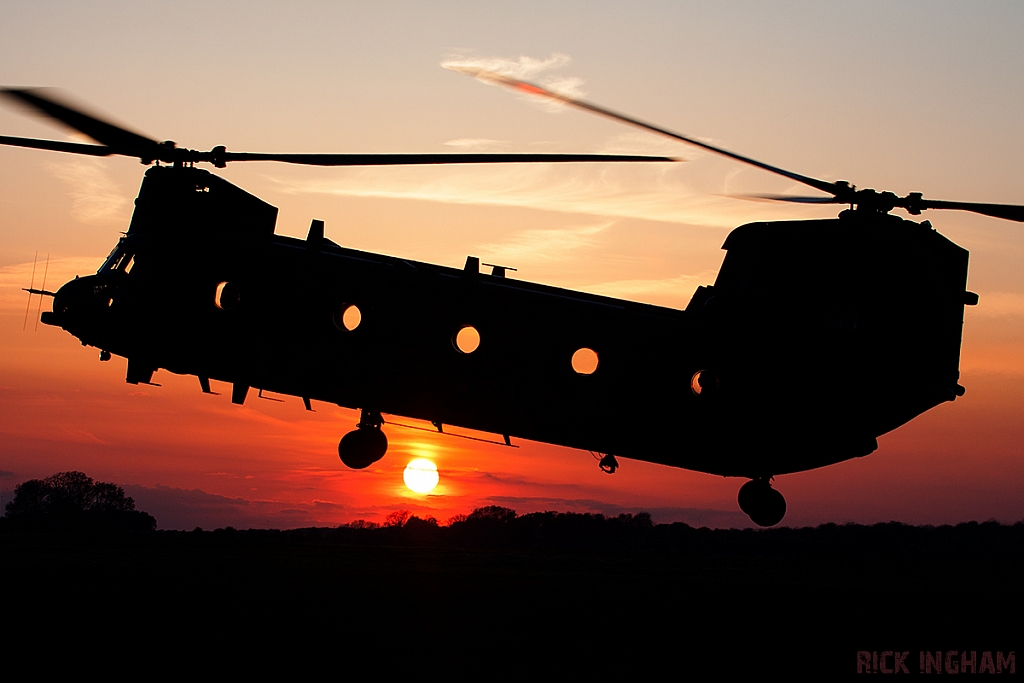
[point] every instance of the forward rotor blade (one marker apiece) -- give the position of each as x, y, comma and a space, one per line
119, 140
792, 198
531, 89
57, 146
1011, 212
415, 159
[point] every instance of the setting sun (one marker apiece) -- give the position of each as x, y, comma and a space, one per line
421, 475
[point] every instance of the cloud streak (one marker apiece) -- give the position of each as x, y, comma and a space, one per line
177, 508
671, 192
533, 246
18, 275
523, 68
657, 191
95, 197
478, 144
656, 290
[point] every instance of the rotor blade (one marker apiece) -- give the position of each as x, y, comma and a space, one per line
530, 88
413, 159
120, 140
57, 146
1010, 212
791, 198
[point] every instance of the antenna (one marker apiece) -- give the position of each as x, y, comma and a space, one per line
39, 308
31, 286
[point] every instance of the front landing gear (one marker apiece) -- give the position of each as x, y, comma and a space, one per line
364, 445
764, 505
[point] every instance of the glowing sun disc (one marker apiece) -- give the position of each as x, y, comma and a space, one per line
421, 475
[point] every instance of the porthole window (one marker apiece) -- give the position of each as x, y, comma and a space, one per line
704, 382
467, 339
347, 317
227, 296
585, 361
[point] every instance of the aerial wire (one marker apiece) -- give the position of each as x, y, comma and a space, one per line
43, 287
31, 286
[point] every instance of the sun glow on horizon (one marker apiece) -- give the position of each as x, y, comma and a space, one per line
421, 475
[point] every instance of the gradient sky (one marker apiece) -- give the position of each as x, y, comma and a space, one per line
910, 96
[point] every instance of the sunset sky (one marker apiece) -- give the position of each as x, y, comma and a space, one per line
907, 96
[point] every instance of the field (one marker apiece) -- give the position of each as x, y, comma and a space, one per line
575, 597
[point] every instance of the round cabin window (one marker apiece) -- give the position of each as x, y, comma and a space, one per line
467, 339
703, 382
347, 317
226, 296
585, 361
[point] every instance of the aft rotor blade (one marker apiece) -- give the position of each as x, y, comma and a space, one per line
913, 203
531, 89
1011, 212
118, 139
57, 146
416, 159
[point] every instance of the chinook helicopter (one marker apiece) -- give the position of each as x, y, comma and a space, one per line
766, 374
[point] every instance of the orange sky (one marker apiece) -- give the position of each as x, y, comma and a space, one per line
934, 109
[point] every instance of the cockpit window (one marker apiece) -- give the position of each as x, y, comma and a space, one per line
112, 257
120, 258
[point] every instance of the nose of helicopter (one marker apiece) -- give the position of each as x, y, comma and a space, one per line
77, 301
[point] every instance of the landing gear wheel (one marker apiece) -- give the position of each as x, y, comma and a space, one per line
764, 505
608, 464
362, 447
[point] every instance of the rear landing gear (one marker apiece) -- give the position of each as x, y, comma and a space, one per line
764, 505
366, 444
608, 464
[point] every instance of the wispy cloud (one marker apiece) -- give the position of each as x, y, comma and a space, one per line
59, 271
95, 197
664, 191
176, 508
655, 191
679, 288
532, 246
478, 144
523, 68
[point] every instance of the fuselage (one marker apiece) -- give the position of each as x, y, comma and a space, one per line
816, 337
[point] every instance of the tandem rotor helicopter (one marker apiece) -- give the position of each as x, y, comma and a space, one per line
816, 337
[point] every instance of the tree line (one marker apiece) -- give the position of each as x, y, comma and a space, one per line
73, 502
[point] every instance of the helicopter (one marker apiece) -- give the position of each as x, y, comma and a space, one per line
816, 337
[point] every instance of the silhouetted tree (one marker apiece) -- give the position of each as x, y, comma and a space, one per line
73, 501
641, 520
492, 513
415, 523
362, 524
396, 518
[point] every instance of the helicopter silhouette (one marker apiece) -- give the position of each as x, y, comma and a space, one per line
816, 337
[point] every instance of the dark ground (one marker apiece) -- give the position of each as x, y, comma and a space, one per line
496, 598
